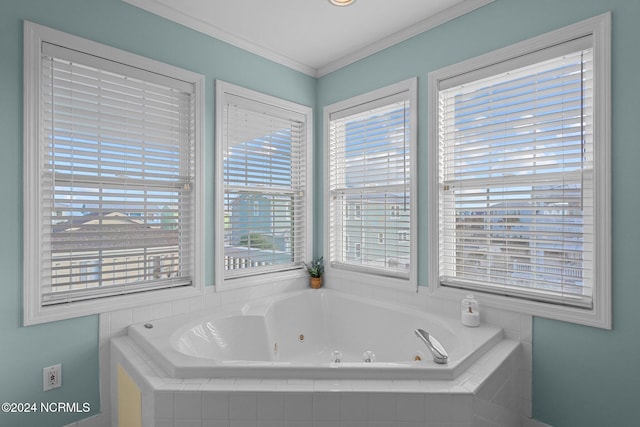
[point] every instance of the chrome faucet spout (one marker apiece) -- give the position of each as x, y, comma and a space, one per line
435, 348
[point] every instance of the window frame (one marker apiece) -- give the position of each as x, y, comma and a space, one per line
363, 274
222, 283
600, 314
34, 312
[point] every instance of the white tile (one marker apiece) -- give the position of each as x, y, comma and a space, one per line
484, 410
495, 381
326, 406
142, 314
299, 423
527, 356
530, 422
511, 320
196, 303
382, 407
355, 407
526, 408
382, 424
299, 406
163, 404
410, 424
120, 320
273, 384
188, 423
439, 407
223, 382
236, 295
270, 406
180, 306
271, 423
347, 423
526, 328
512, 334
212, 300
411, 406
327, 424
462, 408
249, 384
161, 310
243, 406
98, 420
503, 397
188, 405
328, 385
192, 384
215, 405
415, 300
301, 384
163, 422
215, 423
243, 423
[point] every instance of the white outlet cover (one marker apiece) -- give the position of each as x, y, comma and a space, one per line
51, 377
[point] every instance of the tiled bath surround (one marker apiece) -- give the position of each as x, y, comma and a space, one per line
517, 327
485, 395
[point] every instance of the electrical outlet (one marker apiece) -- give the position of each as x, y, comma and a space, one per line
52, 377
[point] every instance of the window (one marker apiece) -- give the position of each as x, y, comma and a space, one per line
111, 177
519, 166
358, 211
263, 194
371, 182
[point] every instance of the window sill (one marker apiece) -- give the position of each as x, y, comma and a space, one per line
370, 279
225, 285
598, 317
37, 315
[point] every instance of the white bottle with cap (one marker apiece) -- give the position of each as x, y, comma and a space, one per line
470, 313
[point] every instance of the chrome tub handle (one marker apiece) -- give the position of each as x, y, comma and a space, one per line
435, 348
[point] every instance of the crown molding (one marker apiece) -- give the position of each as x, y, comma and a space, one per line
440, 18
220, 34
431, 22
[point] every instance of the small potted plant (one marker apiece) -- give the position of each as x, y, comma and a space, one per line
315, 269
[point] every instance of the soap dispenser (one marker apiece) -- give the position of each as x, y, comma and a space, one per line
469, 312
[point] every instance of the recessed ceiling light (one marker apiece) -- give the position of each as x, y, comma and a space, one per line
341, 2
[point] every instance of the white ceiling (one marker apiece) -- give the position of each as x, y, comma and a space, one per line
311, 36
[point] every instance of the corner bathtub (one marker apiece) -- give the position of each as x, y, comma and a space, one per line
297, 335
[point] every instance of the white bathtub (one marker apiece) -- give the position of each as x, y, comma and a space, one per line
295, 335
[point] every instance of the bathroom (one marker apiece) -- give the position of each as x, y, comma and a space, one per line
574, 382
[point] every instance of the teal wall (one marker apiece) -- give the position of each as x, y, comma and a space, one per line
581, 376
74, 343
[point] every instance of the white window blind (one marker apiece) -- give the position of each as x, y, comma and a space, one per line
516, 199
370, 163
265, 187
116, 180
